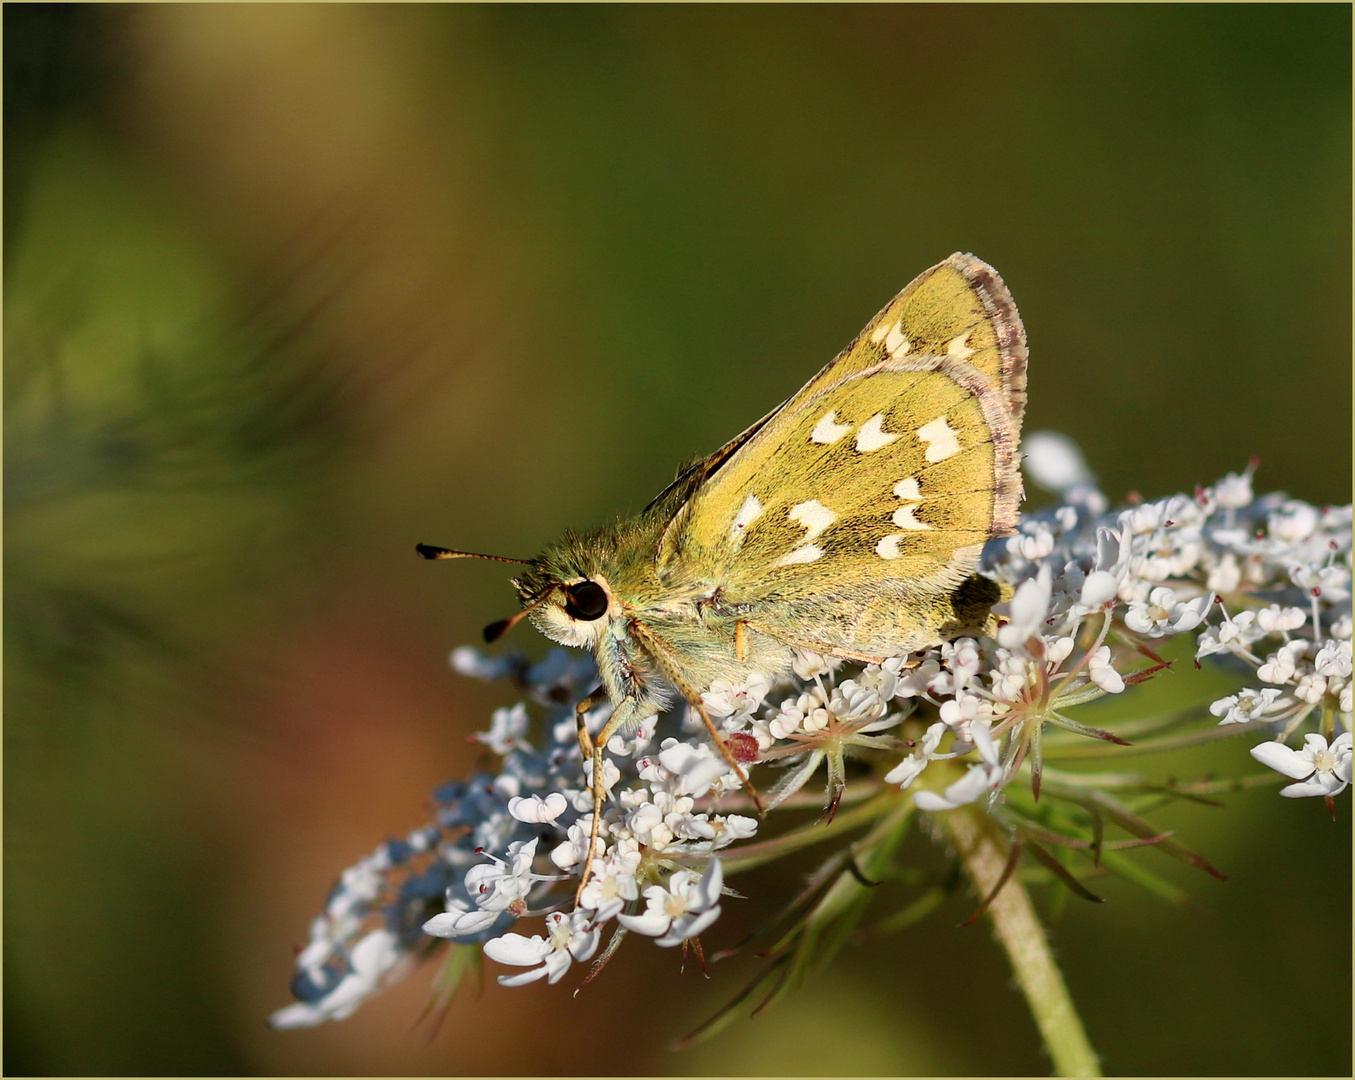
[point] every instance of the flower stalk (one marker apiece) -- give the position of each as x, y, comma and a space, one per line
1023, 939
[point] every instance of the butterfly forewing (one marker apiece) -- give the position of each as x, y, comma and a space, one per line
958, 308
846, 519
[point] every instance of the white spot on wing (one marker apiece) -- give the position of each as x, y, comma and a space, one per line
814, 516
903, 518
940, 438
908, 489
872, 435
957, 348
896, 343
748, 513
827, 431
882, 330
803, 554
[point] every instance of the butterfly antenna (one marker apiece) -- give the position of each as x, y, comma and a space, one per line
428, 551
494, 630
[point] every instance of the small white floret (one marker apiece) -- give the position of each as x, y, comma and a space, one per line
1321, 769
1054, 462
1026, 611
535, 810
569, 937
681, 911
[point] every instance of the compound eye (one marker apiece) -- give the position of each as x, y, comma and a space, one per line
586, 600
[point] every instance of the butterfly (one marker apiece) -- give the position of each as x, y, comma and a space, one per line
848, 522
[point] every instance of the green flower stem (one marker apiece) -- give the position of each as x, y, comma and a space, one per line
1155, 746
1058, 782
1023, 938
751, 855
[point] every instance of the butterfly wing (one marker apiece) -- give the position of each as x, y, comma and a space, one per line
959, 308
848, 519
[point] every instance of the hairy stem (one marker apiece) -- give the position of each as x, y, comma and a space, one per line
1023, 938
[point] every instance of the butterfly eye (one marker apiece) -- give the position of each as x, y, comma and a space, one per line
586, 600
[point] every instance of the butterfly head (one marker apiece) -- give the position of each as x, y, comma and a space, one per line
572, 612
562, 594
566, 596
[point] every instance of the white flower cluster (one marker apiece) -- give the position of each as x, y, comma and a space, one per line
1091, 595
370, 930
652, 829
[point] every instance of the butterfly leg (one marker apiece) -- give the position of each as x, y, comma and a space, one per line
660, 651
587, 705
741, 641
593, 751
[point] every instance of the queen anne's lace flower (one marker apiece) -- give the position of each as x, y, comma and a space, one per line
1162, 613
682, 909
1321, 769
460, 921
536, 809
613, 882
1090, 597
983, 776
506, 730
568, 938
1101, 668
729, 699
910, 768
1248, 705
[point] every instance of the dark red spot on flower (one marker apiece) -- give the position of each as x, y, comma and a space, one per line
744, 748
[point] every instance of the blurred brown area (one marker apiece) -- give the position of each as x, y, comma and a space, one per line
289, 288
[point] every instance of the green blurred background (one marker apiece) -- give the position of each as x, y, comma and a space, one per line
290, 288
